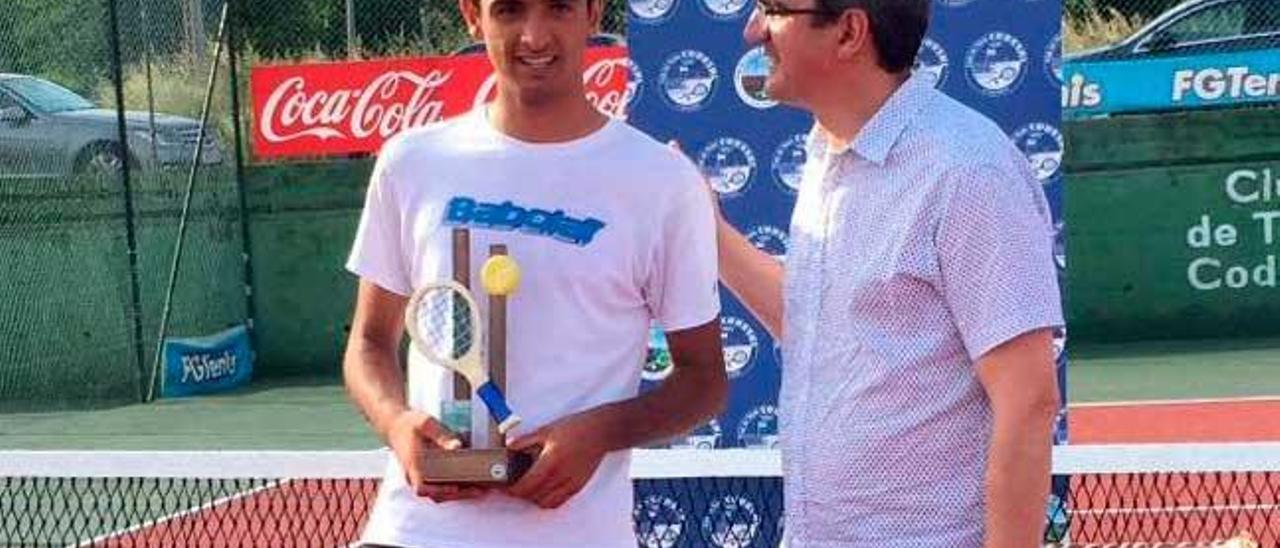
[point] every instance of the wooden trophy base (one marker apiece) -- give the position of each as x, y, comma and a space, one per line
475, 466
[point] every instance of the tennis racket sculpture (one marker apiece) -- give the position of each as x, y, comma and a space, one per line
444, 324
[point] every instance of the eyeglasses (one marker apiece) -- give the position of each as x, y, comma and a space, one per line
773, 10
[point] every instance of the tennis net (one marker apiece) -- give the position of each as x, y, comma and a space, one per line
1151, 495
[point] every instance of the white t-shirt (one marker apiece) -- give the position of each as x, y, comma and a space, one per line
611, 231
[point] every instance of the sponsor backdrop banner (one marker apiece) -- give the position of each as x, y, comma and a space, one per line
695, 81
1226, 79
320, 109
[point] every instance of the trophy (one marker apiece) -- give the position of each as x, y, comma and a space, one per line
443, 321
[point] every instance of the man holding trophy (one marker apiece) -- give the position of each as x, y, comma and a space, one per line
605, 231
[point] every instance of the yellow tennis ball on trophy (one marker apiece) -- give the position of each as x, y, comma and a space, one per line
500, 275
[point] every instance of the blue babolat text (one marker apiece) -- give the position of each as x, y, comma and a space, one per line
508, 216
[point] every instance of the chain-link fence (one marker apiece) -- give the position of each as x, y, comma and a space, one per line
362, 29
119, 218
1176, 26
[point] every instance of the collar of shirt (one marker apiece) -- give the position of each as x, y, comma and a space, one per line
881, 132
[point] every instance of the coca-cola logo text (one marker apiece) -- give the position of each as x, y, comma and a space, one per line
338, 108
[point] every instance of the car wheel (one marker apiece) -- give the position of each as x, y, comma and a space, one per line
105, 159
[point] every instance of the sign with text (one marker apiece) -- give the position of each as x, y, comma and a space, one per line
1228, 79
1248, 221
206, 365
319, 109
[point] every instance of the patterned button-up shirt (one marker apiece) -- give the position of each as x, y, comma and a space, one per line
914, 251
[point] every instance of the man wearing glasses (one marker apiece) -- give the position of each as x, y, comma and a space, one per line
917, 301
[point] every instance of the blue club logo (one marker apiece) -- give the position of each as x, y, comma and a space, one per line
749, 79
652, 11
758, 429
704, 437
769, 239
788, 163
1042, 144
688, 79
996, 63
741, 345
932, 62
1053, 59
728, 164
725, 10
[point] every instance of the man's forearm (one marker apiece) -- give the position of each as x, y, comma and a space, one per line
695, 391
753, 276
1018, 469
684, 400
375, 383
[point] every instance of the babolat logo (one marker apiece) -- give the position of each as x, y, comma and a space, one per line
788, 163
725, 9
205, 367
728, 165
652, 11
1042, 144
749, 78
1213, 84
731, 522
932, 62
740, 344
769, 239
1081, 93
508, 216
659, 521
759, 428
687, 79
996, 63
1053, 59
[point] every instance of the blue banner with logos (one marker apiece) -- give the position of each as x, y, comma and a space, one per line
1170, 83
694, 80
206, 365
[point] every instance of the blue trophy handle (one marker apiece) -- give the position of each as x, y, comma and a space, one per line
497, 404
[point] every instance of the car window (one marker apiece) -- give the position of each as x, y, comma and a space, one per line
6, 101
47, 96
1218, 21
1264, 17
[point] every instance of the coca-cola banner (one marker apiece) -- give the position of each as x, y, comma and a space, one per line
319, 109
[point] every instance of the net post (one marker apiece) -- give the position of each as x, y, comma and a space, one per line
131, 238
233, 65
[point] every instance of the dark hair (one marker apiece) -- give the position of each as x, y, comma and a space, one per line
897, 27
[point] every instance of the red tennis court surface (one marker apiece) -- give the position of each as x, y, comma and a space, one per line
1195, 421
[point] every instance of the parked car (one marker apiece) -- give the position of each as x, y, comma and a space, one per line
1199, 27
47, 130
